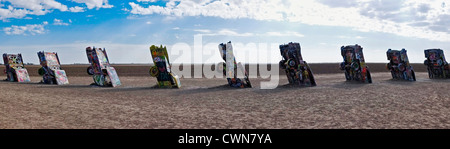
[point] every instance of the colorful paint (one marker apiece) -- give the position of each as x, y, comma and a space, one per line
161, 69
112, 74
22, 75
51, 69
436, 64
103, 73
15, 69
232, 70
297, 70
399, 65
61, 77
354, 64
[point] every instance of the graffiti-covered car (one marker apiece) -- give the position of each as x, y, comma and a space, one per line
50, 70
15, 69
103, 74
162, 68
399, 65
354, 65
436, 64
297, 70
236, 74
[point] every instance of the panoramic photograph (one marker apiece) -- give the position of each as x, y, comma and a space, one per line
224, 64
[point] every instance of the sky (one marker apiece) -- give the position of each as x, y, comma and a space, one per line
193, 29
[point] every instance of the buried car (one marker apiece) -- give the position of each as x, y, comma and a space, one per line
436, 64
15, 69
51, 71
103, 74
236, 74
354, 64
399, 65
297, 70
162, 68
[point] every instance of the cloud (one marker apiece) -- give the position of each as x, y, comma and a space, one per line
33, 29
76, 9
148, 22
281, 34
227, 32
12, 12
409, 18
39, 7
146, 1
21, 8
36, 7
351, 37
95, 3
60, 22
203, 30
230, 9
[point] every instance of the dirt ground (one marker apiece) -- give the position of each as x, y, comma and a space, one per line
209, 103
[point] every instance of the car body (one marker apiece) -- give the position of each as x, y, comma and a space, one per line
15, 69
399, 65
50, 70
297, 70
162, 68
436, 64
236, 74
354, 64
103, 74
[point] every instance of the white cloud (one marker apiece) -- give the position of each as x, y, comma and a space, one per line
36, 7
350, 37
229, 32
60, 22
224, 32
148, 22
33, 29
76, 9
95, 3
12, 12
21, 8
203, 30
409, 18
39, 7
281, 34
146, 0
176, 28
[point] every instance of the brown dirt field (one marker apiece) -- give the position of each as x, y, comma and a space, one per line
209, 103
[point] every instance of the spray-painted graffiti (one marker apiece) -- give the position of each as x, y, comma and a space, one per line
15, 69
51, 69
236, 74
103, 73
161, 69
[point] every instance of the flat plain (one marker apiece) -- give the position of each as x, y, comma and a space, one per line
211, 104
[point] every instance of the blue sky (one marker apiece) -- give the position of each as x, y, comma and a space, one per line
126, 28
